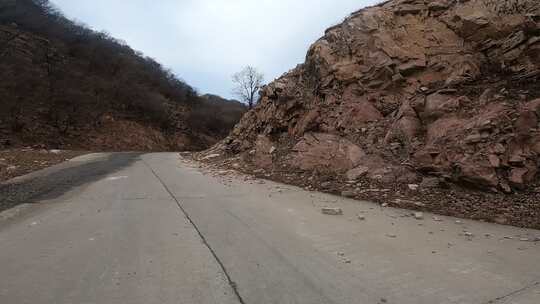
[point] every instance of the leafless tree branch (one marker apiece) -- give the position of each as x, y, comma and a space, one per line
248, 82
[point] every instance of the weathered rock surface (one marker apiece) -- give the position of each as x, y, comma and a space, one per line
411, 88
427, 105
326, 152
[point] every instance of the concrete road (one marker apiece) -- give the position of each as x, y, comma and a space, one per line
153, 228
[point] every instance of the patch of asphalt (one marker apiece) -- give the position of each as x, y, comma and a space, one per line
55, 181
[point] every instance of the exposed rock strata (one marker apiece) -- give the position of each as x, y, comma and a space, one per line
410, 89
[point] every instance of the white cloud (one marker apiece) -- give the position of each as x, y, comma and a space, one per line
206, 41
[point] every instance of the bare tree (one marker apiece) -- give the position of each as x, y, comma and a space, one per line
248, 83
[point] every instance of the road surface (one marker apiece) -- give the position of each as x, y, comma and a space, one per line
154, 228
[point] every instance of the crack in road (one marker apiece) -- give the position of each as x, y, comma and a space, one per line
232, 284
513, 293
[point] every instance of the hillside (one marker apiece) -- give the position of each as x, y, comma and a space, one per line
428, 105
66, 86
216, 108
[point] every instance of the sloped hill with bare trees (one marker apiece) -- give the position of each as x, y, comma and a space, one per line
66, 86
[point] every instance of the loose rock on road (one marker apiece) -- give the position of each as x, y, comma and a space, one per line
153, 228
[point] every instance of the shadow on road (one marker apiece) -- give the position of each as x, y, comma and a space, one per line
55, 181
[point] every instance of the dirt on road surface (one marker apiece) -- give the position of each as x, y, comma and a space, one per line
17, 162
156, 228
54, 181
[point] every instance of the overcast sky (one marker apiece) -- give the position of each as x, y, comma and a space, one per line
205, 41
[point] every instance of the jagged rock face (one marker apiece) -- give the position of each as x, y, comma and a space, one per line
446, 88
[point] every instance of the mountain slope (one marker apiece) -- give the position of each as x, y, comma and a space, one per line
411, 102
64, 85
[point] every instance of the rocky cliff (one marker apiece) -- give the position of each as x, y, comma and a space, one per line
409, 95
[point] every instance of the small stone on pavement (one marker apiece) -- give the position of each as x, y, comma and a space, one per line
419, 215
332, 211
348, 194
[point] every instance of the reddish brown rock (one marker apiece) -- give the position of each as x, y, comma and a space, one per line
478, 173
442, 128
263, 151
518, 176
356, 173
536, 144
326, 152
526, 122
494, 160
347, 72
438, 105
412, 66
534, 106
437, 87
407, 125
306, 123
357, 114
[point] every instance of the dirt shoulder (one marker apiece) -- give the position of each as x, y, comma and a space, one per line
18, 162
520, 209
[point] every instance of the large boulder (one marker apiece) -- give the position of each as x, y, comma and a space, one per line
326, 152
264, 148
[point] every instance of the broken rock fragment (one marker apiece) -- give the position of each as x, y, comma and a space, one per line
332, 211
356, 173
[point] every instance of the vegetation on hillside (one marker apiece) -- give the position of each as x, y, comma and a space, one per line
60, 79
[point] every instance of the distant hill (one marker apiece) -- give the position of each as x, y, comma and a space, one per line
228, 111
67, 86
